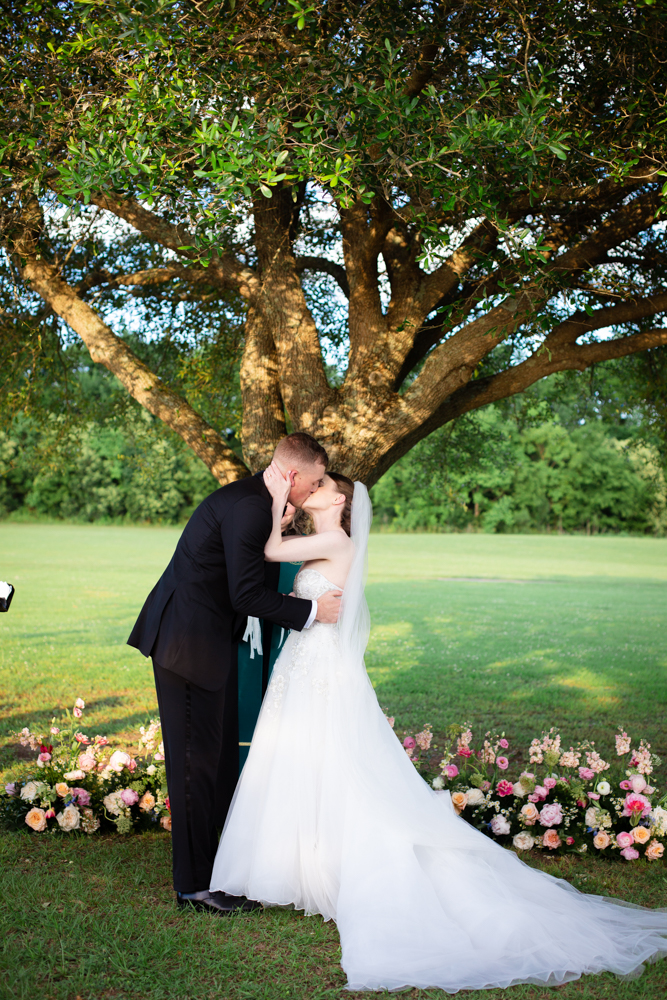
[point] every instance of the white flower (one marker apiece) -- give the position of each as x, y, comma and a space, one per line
658, 820
113, 803
118, 760
591, 817
475, 796
76, 775
523, 841
69, 818
31, 790
500, 825
603, 788
151, 769
437, 783
519, 791
79, 703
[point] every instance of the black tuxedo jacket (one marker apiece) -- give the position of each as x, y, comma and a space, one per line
217, 577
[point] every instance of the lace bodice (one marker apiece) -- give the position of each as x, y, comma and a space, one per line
311, 584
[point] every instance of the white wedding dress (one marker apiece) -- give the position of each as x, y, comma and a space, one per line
330, 815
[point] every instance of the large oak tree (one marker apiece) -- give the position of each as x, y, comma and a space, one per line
463, 197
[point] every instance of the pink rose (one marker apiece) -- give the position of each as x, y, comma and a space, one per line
132, 766
551, 814
81, 738
569, 841
86, 761
76, 712
409, 743
502, 763
503, 743
636, 805
551, 840
630, 853
541, 793
101, 741
625, 785
586, 773
624, 839
593, 795
505, 788
465, 752
451, 770
129, 796
55, 730
44, 757
81, 795
637, 783
549, 783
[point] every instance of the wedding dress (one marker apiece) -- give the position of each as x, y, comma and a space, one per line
331, 816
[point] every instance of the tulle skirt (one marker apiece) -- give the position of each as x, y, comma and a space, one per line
330, 816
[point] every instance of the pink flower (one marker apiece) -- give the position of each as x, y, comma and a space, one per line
569, 841
451, 770
502, 763
79, 703
132, 766
49, 814
625, 785
624, 839
409, 743
540, 794
10, 788
505, 788
101, 741
485, 786
586, 773
44, 757
636, 805
503, 743
129, 796
551, 814
622, 743
549, 783
630, 853
76, 712
86, 761
593, 795
55, 730
638, 783
81, 738
551, 840
81, 795
465, 751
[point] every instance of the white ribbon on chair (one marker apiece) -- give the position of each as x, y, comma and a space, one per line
253, 635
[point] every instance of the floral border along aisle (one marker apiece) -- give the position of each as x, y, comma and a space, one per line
568, 800
83, 784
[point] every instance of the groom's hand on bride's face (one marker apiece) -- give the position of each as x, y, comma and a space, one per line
328, 607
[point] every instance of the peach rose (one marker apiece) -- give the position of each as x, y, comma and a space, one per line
601, 840
62, 788
641, 835
529, 813
36, 819
147, 802
551, 839
655, 850
165, 821
459, 801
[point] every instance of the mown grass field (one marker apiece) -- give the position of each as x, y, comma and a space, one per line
516, 632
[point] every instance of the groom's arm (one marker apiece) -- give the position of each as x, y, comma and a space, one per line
244, 531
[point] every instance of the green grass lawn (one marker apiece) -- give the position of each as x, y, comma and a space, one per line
515, 632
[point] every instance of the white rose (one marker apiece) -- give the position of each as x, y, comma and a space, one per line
69, 818
475, 796
500, 825
113, 803
523, 841
603, 788
591, 817
519, 791
77, 775
118, 760
658, 821
151, 769
30, 791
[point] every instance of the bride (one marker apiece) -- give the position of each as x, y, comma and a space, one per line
329, 815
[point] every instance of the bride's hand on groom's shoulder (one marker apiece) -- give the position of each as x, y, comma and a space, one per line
278, 486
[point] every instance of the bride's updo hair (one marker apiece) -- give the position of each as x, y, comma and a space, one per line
346, 487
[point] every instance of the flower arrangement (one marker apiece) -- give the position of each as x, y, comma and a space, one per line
568, 799
82, 784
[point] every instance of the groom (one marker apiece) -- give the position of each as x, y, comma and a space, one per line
190, 625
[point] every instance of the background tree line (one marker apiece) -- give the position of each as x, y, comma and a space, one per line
571, 454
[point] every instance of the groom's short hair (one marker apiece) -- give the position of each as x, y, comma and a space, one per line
300, 448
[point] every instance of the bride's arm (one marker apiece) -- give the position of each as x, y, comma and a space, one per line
293, 548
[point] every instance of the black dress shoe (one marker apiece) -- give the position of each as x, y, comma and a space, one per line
218, 903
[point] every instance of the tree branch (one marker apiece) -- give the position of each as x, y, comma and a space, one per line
337, 271
108, 349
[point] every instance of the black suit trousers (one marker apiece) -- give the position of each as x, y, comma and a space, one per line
200, 733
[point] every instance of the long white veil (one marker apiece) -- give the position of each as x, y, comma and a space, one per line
354, 622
